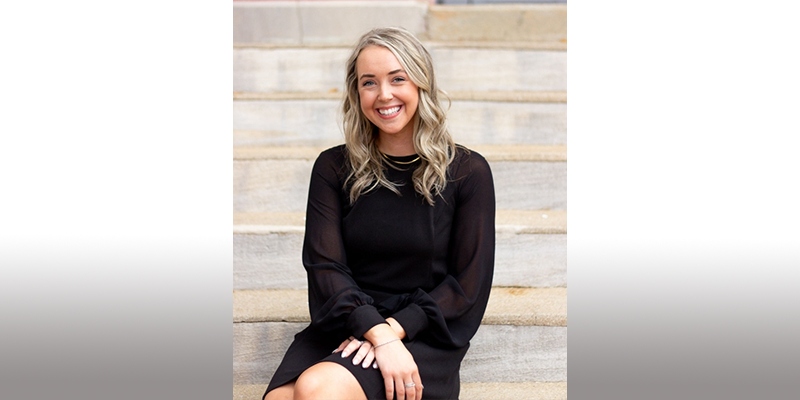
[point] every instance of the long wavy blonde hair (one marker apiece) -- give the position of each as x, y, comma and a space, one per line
432, 141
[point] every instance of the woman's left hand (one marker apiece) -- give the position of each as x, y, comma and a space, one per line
364, 352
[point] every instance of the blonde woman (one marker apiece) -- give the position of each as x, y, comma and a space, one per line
399, 240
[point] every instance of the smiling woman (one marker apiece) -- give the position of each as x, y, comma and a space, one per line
399, 240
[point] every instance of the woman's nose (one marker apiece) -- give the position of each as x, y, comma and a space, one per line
385, 93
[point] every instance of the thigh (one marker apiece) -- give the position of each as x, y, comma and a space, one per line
285, 392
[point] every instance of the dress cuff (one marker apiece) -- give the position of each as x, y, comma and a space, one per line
363, 319
412, 319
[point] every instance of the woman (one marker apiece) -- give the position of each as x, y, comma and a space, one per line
399, 240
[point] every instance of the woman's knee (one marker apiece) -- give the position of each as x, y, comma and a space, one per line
327, 380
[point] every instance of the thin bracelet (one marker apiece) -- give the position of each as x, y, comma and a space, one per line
383, 344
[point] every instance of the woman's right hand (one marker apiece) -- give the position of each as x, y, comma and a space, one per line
364, 353
400, 372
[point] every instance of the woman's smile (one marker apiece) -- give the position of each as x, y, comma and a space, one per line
389, 112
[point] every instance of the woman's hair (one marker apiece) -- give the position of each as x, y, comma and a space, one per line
432, 141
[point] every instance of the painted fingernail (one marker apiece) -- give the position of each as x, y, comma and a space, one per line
375, 365
344, 354
356, 360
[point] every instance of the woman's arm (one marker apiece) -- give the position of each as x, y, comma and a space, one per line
335, 300
453, 310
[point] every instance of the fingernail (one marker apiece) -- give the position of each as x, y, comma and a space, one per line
344, 354
375, 365
356, 360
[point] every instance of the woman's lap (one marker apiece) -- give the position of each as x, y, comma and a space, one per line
438, 367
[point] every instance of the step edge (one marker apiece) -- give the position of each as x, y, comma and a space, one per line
493, 96
294, 222
496, 153
297, 310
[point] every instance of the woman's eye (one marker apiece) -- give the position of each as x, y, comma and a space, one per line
367, 83
399, 79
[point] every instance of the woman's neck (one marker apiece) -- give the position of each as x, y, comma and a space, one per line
392, 146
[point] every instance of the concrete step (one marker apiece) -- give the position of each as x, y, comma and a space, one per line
531, 249
309, 23
511, 152
523, 337
281, 185
317, 122
469, 391
302, 69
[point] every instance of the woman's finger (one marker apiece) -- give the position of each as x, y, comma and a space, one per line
342, 346
362, 352
369, 359
351, 348
400, 389
388, 384
419, 387
410, 386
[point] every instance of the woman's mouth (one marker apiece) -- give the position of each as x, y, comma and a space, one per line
389, 112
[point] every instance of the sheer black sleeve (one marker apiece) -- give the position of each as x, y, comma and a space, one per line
453, 310
335, 300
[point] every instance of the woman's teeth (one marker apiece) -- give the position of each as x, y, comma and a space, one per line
389, 111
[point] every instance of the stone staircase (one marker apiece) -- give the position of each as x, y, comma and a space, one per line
504, 67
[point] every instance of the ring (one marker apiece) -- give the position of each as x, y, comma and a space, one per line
412, 384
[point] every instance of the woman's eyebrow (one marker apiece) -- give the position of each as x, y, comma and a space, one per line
397, 71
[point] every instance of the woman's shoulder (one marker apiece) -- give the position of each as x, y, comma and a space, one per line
332, 161
334, 153
334, 156
468, 161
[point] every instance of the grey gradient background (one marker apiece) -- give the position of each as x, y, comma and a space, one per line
115, 213
115, 204
683, 246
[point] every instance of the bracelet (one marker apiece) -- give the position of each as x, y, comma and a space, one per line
384, 344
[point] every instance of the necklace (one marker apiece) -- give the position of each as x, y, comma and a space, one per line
399, 162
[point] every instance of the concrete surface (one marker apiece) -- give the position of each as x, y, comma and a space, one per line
306, 69
498, 353
507, 306
531, 250
311, 122
469, 391
282, 185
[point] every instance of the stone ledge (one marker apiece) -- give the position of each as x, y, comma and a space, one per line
469, 391
512, 221
333, 22
507, 306
464, 44
533, 23
493, 96
555, 153
340, 23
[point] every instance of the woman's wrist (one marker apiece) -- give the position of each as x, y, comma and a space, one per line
386, 342
380, 333
398, 329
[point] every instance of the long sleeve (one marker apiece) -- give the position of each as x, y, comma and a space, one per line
453, 310
335, 300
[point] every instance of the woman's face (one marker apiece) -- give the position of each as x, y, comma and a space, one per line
388, 97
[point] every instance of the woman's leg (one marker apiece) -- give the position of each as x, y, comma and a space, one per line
327, 380
285, 392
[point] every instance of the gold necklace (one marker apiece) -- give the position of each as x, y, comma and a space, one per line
399, 162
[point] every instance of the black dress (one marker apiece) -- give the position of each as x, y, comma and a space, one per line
429, 267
